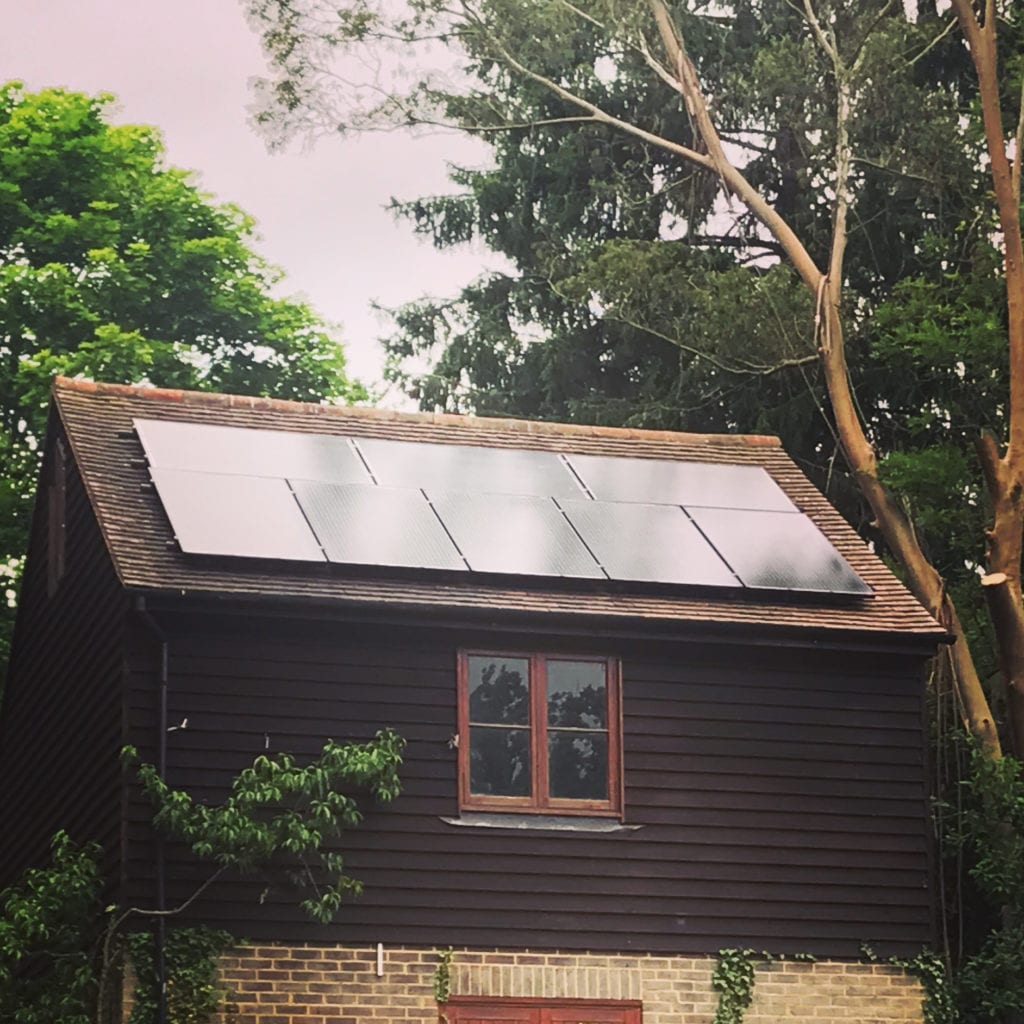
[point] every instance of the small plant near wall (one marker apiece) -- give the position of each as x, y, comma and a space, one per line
48, 923
939, 1006
62, 954
443, 975
191, 955
733, 979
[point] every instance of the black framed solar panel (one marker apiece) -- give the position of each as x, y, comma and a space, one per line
245, 492
667, 482
248, 452
778, 551
648, 543
469, 469
514, 533
360, 524
240, 516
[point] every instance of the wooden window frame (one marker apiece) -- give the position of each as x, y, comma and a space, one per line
459, 1009
540, 801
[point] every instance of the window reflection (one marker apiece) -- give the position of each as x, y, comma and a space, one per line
499, 761
578, 765
499, 757
577, 736
577, 694
498, 691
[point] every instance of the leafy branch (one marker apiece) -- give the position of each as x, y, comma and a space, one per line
61, 955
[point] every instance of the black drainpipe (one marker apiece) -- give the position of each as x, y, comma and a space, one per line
159, 958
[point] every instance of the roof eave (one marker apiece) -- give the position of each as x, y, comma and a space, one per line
923, 643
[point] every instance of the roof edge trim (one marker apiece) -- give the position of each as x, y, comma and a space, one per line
569, 624
217, 400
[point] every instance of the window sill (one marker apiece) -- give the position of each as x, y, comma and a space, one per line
539, 822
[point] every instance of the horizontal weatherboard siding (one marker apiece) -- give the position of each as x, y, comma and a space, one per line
780, 792
60, 723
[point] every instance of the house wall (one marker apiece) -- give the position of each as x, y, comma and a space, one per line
340, 985
60, 720
780, 792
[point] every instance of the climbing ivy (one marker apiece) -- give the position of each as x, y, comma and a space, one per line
939, 1006
443, 975
191, 964
733, 980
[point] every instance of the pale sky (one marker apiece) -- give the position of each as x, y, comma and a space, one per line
184, 67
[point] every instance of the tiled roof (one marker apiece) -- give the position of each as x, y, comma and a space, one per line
98, 420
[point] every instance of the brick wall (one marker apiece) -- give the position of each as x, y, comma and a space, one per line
334, 985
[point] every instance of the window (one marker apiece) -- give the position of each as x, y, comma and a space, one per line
539, 733
537, 1011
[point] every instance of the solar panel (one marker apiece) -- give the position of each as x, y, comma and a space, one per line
243, 516
778, 551
459, 468
652, 543
246, 492
207, 447
366, 525
665, 482
514, 533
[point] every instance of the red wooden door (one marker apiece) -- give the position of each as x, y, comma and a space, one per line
581, 1014
538, 1011
490, 1013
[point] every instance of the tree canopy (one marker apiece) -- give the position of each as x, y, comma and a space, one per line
638, 293
719, 217
115, 266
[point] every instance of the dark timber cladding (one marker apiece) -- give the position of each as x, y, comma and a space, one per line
60, 720
780, 791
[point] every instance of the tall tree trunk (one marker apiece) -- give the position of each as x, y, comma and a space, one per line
892, 522
1004, 474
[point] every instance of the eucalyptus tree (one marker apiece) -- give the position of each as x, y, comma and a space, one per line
831, 135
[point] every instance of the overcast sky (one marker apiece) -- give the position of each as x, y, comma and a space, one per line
184, 66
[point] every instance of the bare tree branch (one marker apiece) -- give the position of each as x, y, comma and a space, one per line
599, 115
750, 370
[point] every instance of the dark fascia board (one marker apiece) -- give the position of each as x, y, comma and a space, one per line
550, 624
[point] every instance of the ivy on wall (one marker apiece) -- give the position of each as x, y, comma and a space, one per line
733, 979
191, 956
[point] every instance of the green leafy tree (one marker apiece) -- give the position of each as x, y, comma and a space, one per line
47, 931
61, 954
990, 829
116, 267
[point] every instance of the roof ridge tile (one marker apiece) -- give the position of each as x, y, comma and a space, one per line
211, 399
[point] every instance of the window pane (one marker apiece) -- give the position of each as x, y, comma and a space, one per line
578, 765
499, 693
577, 694
499, 761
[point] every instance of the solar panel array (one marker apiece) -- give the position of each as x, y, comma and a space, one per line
252, 493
